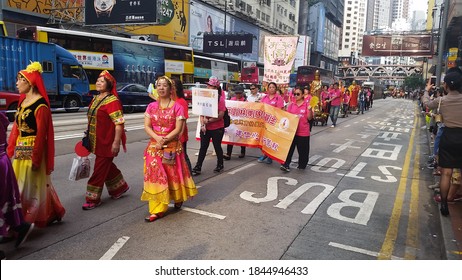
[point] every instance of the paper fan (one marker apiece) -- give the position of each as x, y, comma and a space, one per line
314, 101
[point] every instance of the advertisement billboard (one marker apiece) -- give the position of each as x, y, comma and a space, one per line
173, 24
397, 45
206, 19
104, 12
229, 43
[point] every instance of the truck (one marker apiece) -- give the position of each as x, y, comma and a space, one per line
65, 80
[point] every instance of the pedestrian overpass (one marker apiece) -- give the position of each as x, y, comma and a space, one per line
380, 72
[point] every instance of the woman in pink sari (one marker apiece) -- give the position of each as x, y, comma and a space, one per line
166, 173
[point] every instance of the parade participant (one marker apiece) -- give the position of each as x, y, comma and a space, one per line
212, 128
346, 102
184, 134
254, 95
301, 140
166, 173
238, 96
325, 105
275, 100
449, 152
307, 94
354, 91
106, 135
11, 216
32, 146
335, 101
362, 101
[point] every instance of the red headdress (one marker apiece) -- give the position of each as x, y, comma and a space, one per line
109, 77
33, 74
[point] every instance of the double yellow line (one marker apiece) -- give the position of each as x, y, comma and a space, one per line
412, 226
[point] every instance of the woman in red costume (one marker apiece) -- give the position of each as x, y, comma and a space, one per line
106, 134
166, 173
32, 146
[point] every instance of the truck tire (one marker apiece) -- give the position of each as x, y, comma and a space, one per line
70, 102
13, 107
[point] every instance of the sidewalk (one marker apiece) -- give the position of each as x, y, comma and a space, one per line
451, 226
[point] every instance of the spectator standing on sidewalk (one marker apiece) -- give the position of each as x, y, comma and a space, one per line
450, 151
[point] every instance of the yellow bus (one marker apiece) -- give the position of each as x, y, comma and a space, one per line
3, 29
129, 60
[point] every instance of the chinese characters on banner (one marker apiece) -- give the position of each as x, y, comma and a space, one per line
279, 57
205, 102
397, 45
259, 125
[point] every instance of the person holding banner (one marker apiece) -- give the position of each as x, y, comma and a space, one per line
238, 96
212, 128
275, 100
166, 173
304, 111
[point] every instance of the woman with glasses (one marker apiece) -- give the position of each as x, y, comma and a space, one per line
301, 140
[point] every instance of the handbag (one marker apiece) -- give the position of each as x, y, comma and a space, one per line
86, 137
438, 117
80, 168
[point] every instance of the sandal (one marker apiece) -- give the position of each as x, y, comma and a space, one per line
153, 217
91, 205
178, 205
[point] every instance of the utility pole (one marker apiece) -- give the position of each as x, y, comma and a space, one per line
441, 43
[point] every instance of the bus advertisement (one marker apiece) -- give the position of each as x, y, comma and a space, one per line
129, 60
305, 75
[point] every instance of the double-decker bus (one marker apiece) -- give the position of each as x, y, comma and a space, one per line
251, 73
204, 67
305, 75
129, 60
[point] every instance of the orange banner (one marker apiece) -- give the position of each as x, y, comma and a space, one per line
260, 125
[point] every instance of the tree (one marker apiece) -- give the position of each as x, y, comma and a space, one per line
413, 82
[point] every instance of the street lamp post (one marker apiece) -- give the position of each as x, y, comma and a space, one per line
441, 43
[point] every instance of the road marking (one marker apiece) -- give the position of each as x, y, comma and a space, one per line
115, 248
413, 225
358, 250
242, 168
392, 231
205, 213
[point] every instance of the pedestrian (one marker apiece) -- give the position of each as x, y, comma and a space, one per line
346, 103
361, 101
106, 134
301, 140
334, 100
449, 151
31, 144
11, 216
166, 173
254, 95
184, 134
273, 99
212, 128
238, 96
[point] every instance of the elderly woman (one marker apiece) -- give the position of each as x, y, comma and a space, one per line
449, 151
106, 134
32, 146
166, 173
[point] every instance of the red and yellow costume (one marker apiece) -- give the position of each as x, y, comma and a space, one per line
107, 114
354, 91
31, 143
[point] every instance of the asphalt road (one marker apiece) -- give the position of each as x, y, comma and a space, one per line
363, 197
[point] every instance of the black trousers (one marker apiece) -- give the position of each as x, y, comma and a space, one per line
216, 136
303, 148
229, 150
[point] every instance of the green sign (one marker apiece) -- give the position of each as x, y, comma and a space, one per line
166, 12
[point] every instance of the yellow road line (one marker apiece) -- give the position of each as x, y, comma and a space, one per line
413, 225
392, 231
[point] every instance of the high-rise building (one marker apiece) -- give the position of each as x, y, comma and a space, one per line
400, 10
354, 26
378, 15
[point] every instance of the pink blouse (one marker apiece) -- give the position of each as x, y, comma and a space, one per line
163, 121
301, 111
277, 101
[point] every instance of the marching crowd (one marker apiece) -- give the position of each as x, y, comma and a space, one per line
27, 157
